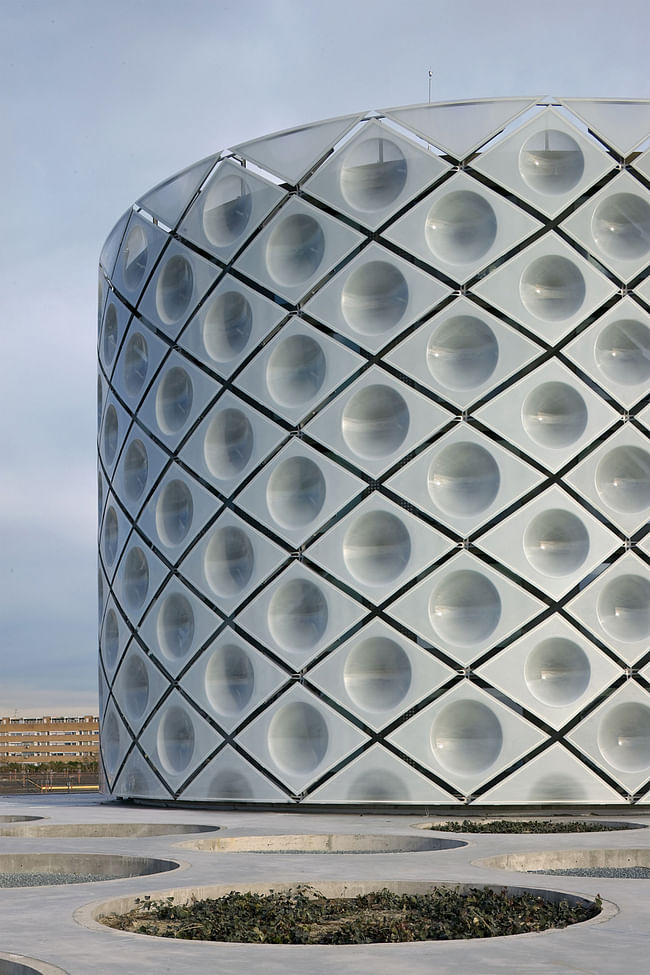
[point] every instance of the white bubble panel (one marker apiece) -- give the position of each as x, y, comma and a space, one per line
297, 370
378, 776
550, 415
178, 739
299, 491
378, 674
298, 738
552, 541
378, 547
554, 777
374, 174
296, 249
616, 607
375, 297
461, 227
462, 353
299, 616
230, 778
464, 608
376, 420
230, 561
553, 671
615, 226
229, 208
617, 736
615, 478
231, 678
548, 287
177, 626
466, 737
547, 162
464, 479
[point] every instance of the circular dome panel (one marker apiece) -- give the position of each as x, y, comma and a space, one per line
174, 289
373, 174
554, 415
295, 492
460, 227
135, 470
623, 479
624, 737
175, 740
556, 542
465, 608
463, 479
110, 333
374, 298
229, 561
375, 421
376, 548
298, 738
557, 672
110, 535
228, 444
136, 364
136, 578
623, 352
377, 674
621, 226
110, 742
135, 255
295, 249
226, 210
466, 737
296, 371
462, 352
175, 626
298, 615
174, 512
229, 679
551, 162
552, 288
227, 326
174, 400
135, 687
111, 638
109, 438
624, 608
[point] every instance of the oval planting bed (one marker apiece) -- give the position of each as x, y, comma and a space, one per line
627, 864
527, 826
343, 913
94, 830
46, 869
21, 965
323, 843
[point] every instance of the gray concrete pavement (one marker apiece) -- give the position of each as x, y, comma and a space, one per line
55, 923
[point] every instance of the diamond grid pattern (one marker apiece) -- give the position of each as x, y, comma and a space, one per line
375, 466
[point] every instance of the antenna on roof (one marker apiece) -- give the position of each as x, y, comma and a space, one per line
430, 77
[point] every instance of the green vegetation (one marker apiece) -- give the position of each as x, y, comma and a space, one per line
305, 916
523, 826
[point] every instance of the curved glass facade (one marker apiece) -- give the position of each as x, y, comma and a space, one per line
374, 468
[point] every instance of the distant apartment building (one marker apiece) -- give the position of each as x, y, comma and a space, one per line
49, 739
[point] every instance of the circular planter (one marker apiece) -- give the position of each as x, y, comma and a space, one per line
323, 843
91, 915
99, 866
11, 964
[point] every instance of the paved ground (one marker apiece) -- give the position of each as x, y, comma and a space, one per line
46, 922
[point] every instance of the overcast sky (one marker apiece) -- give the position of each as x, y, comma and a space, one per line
100, 101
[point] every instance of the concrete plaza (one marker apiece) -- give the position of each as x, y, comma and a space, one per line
54, 923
